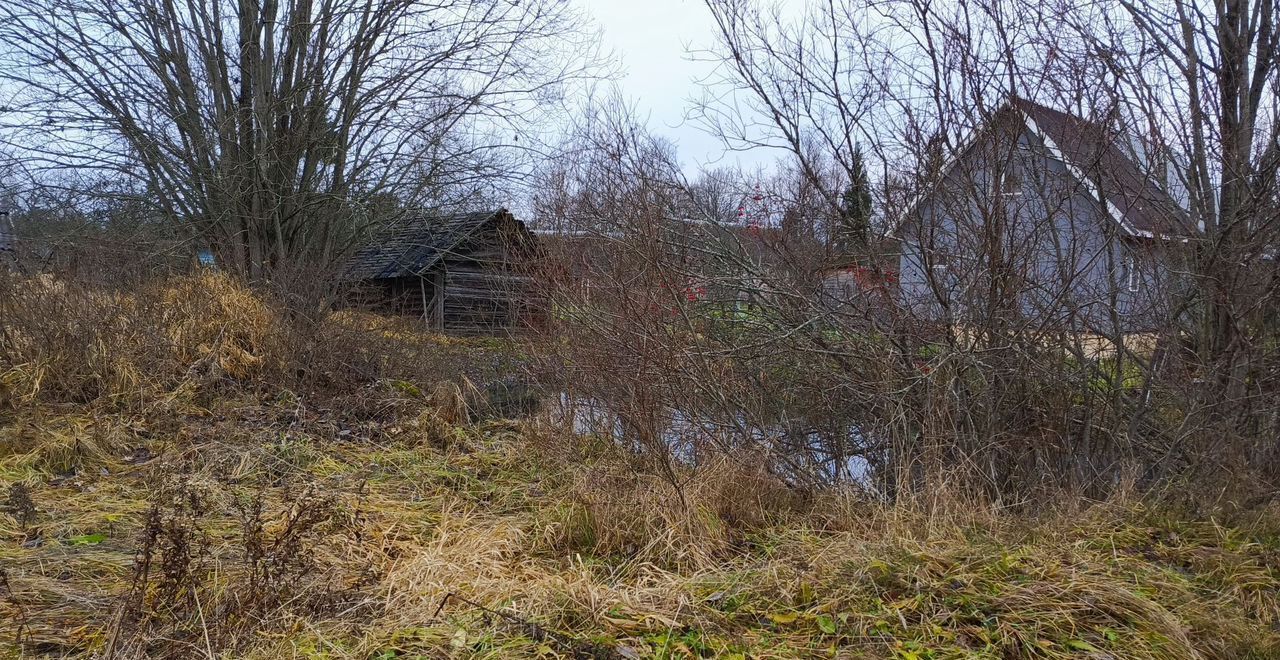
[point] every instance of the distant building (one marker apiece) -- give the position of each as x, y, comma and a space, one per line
1050, 216
871, 275
467, 272
6, 233
704, 261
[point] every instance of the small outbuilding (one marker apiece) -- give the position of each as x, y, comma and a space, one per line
6, 233
468, 272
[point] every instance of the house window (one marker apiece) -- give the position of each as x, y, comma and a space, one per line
1011, 182
1131, 274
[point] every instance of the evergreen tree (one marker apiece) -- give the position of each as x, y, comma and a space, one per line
853, 227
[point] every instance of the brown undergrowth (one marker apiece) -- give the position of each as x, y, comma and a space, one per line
271, 528
187, 340
243, 514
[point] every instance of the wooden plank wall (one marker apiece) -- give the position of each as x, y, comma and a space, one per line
399, 295
484, 288
484, 292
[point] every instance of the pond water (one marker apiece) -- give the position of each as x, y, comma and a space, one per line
685, 433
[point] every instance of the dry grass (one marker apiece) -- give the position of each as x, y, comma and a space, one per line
584, 560
184, 340
213, 509
72, 342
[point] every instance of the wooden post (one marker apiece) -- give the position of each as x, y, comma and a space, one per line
439, 299
426, 309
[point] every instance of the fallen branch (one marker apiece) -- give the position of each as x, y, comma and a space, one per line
579, 649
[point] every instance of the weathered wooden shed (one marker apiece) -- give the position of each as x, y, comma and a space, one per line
467, 272
6, 233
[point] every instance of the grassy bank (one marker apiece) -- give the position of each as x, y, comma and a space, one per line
380, 527
187, 472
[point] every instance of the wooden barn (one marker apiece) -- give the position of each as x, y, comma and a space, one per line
467, 273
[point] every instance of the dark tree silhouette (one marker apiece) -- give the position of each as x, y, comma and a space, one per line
853, 226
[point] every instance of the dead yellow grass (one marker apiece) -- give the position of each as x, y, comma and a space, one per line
482, 547
183, 339
164, 496
213, 321
71, 341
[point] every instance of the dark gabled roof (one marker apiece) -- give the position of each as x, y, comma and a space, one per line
1093, 155
415, 244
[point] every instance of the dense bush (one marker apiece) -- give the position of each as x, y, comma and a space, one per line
69, 340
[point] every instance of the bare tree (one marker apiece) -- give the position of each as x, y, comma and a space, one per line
265, 127
1199, 82
998, 338
716, 195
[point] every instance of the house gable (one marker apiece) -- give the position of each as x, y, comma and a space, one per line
1017, 217
1092, 155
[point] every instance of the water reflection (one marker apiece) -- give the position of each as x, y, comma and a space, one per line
687, 436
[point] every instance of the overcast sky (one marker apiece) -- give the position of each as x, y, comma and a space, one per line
651, 39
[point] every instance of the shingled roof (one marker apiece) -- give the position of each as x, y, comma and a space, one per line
416, 243
1093, 155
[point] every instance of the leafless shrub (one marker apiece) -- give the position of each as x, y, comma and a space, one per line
20, 505
187, 594
13, 606
1012, 332
277, 560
